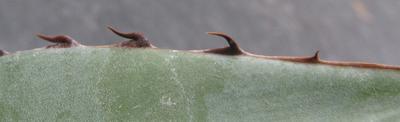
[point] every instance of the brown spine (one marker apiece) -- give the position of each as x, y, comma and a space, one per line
138, 40
62, 41
233, 48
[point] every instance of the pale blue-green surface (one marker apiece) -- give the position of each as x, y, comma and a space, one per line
112, 84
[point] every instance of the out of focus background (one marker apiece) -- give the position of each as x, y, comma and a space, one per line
343, 30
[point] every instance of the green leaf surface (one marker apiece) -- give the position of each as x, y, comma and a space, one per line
120, 84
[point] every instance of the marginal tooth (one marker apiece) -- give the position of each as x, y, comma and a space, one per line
231, 42
315, 57
2, 52
57, 39
62, 41
132, 35
138, 40
233, 48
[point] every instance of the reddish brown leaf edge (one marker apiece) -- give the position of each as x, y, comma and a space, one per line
138, 40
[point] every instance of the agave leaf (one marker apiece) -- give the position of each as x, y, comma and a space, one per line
112, 84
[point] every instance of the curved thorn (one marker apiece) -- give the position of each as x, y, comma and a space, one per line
315, 57
138, 39
231, 42
57, 39
132, 35
62, 41
47, 38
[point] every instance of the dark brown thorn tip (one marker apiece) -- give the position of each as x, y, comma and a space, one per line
2, 52
233, 48
138, 39
62, 41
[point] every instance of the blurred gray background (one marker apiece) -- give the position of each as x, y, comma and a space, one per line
343, 30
